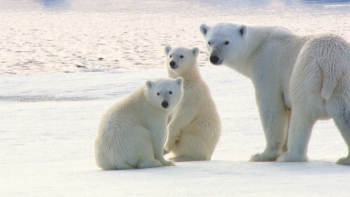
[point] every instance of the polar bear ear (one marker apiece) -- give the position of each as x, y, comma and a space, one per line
195, 52
179, 81
167, 50
204, 29
242, 30
149, 84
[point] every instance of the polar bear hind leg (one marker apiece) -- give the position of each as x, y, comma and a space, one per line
190, 148
298, 137
307, 106
183, 158
149, 163
343, 124
341, 116
135, 149
144, 149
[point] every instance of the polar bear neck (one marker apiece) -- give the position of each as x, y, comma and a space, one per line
136, 103
254, 40
191, 74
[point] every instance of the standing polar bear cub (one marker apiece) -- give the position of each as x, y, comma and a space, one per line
132, 133
194, 125
307, 76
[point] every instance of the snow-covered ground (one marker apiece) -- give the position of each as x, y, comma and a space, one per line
50, 109
48, 124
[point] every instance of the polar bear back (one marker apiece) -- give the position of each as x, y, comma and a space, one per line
326, 55
119, 128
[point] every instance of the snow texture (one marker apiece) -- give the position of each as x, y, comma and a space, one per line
49, 122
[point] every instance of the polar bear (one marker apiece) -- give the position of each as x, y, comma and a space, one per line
132, 133
194, 125
298, 80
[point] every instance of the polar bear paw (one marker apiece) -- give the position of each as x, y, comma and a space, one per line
149, 163
344, 161
166, 151
166, 162
291, 157
168, 146
265, 156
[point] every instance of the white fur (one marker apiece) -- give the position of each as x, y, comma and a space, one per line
132, 133
194, 125
306, 75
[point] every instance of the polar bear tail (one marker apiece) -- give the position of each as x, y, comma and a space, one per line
332, 54
329, 80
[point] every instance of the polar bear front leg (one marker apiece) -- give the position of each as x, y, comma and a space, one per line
180, 120
275, 117
158, 137
173, 136
298, 136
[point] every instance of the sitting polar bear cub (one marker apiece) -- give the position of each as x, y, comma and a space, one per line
194, 125
308, 76
132, 133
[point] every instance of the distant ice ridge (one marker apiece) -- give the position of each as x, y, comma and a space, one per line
93, 68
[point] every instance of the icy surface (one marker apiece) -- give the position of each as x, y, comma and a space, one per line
48, 124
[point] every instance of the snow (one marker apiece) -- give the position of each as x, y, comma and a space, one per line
50, 109
49, 122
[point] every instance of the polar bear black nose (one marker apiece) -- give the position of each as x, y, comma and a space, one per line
172, 64
214, 59
165, 104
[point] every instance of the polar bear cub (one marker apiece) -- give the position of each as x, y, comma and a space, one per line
298, 80
132, 133
194, 125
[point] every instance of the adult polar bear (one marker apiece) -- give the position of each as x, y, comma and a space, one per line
307, 75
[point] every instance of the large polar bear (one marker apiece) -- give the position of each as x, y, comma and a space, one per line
132, 133
194, 125
308, 76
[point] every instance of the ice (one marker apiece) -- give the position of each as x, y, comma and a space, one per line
48, 124
93, 68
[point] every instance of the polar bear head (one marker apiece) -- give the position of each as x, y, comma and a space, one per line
163, 93
224, 41
180, 60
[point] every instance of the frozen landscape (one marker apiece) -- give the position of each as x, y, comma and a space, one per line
50, 108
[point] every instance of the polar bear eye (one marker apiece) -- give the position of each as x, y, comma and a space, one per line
158, 93
170, 92
170, 56
209, 43
181, 56
227, 42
